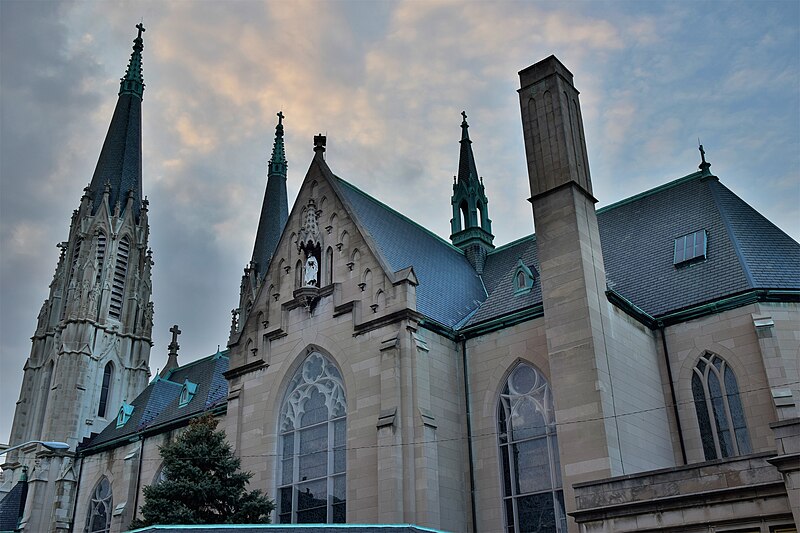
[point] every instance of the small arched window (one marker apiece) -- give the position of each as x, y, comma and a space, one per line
719, 410
532, 490
105, 389
120, 274
100, 508
523, 278
329, 266
298, 274
480, 215
464, 214
313, 431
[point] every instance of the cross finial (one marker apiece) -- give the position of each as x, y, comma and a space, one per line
704, 165
280, 117
175, 332
141, 29
464, 114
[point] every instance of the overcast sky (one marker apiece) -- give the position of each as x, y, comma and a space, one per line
387, 82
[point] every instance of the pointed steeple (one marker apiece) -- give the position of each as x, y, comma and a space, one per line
467, 171
120, 161
275, 208
470, 225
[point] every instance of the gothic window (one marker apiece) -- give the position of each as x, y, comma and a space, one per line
329, 266
464, 214
313, 435
101, 255
161, 475
99, 518
719, 410
533, 498
108, 373
120, 273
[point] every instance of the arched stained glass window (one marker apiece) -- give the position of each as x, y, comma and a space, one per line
532, 489
99, 518
313, 431
719, 410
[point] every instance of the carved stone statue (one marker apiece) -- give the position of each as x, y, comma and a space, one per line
311, 270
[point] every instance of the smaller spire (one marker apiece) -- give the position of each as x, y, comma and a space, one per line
464, 127
277, 163
133, 81
704, 165
172, 357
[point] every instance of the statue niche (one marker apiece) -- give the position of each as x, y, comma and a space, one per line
309, 246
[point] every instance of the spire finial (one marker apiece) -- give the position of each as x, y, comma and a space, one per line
464, 127
704, 165
133, 82
277, 163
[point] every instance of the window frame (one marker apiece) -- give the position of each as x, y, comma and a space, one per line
682, 242
95, 501
299, 390
507, 447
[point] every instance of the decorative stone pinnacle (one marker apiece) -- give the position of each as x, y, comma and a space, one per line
319, 142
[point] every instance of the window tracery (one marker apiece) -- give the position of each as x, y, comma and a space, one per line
720, 414
100, 507
313, 436
532, 488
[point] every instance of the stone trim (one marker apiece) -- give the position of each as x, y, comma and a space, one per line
244, 369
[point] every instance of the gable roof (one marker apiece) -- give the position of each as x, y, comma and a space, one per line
449, 288
158, 405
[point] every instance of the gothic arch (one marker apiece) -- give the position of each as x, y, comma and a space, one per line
106, 385
100, 506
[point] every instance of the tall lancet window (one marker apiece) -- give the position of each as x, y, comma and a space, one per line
108, 374
719, 409
313, 430
100, 508
101, 254
532, 490
120, 273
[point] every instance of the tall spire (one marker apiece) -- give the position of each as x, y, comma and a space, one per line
470, 225
120, 161
275, 208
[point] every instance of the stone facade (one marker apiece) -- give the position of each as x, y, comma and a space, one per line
419, 389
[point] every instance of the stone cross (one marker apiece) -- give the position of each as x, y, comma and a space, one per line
175, 332
464, 114
280, 117
141, 29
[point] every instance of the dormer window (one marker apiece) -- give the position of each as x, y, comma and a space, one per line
523, 279
124, 414
690, 247
187, 393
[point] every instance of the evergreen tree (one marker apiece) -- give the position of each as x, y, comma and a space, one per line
203, 484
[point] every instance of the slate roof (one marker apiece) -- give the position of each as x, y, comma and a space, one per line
11, 507
745, 251
449, 289
158, 404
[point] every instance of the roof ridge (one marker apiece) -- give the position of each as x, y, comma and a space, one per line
654, 190
399, 214
532, 237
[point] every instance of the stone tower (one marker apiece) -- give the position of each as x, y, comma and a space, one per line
570, 256
274, 213
471, 227
91, 347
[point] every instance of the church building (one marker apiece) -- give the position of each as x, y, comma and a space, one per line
628, 368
